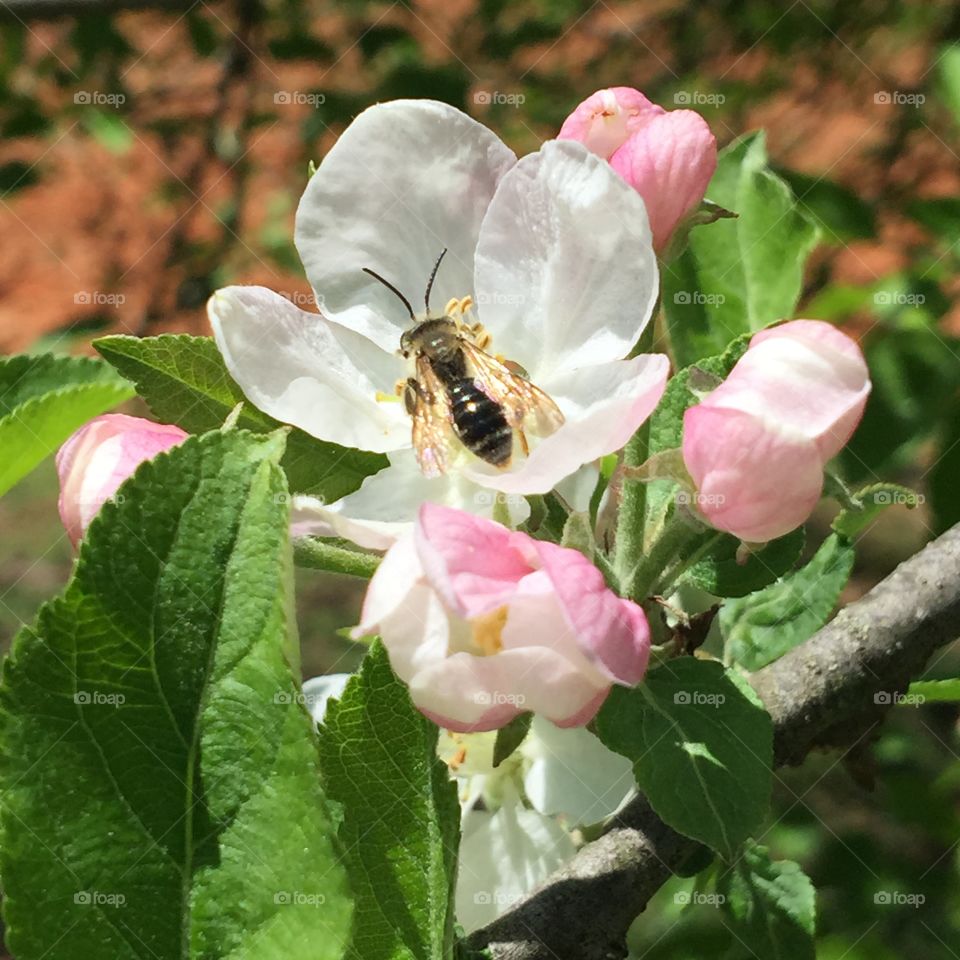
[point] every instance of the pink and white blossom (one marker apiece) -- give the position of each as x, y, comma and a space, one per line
555, 250
756, 447
483, 623
98, 457
667, 157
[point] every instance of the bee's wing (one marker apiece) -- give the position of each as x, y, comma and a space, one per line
431, 421
524, 405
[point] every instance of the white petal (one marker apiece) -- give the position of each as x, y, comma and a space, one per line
603, 406
318, 691
504, 856
306, 371
405, 180
566, 275
577, 489
572, 773
386, 504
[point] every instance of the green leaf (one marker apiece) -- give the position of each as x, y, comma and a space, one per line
510, 737
43, 399
702, 748
740, 275
763, 626
948, 77
873, 499
401, 817
934, 691
771, 904
184, 381
721, 573
840, 213
160, 782
914, 374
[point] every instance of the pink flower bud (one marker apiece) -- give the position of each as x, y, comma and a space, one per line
98, 457
484, 623
668, 158
756, 447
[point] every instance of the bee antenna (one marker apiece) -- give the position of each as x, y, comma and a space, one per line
436, 267
391, 287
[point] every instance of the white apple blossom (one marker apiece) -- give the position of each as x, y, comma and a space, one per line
518, 820
556, 252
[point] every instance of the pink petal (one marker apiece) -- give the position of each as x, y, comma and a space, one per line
606, 118
467, 693
474, 564
612, 633
97, 458
390, 586
753, 481
828, 402
669, 161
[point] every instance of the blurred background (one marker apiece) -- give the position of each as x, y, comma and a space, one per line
153, 151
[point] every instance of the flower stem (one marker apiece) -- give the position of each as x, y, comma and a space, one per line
321, 554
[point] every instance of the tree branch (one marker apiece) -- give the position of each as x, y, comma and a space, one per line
826, 692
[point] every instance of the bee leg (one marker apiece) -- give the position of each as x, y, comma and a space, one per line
411, 392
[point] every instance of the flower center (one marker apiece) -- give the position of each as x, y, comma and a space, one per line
487, 631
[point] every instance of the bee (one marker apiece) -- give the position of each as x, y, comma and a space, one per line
459, 390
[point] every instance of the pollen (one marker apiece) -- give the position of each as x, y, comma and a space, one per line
488, 631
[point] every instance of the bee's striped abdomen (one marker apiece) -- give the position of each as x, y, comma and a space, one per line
480, 423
